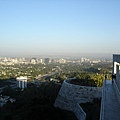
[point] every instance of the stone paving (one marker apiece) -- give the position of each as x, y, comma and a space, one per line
111, 102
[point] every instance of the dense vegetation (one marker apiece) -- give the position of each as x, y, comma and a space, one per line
87, 79
62, 71
34, 103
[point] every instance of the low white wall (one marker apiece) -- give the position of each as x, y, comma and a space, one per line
80, 114
70, 95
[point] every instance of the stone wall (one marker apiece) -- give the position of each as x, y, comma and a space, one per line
71, 95
78, 111
116, 70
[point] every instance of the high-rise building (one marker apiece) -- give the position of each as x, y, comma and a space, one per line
46, 61
41, 61
33, 60
62, 61
53, 61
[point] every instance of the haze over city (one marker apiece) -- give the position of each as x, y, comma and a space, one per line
63, 27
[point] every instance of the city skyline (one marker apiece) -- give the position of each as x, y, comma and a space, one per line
68, 27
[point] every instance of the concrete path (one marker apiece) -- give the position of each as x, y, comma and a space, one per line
111, 103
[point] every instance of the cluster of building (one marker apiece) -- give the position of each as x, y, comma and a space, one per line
12, 61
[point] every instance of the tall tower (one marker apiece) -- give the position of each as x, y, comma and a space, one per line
46, 61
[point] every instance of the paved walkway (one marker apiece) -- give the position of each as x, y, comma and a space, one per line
111, 103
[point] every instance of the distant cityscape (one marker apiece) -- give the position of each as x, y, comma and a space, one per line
22, 60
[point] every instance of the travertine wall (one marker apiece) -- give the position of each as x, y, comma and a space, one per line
71, 95
116, 70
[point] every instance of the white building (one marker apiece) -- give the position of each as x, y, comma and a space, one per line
34, 60
41, 61
22, 82
62, 61
116, 70
84, 60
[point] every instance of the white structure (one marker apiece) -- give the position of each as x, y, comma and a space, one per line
116, 69
62, 61
116, 62
71, 95
84, 60
41, 61
34, 60
22, 82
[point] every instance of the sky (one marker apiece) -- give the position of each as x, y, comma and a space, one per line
49, 27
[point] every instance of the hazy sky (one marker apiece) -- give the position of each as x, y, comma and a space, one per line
33, 27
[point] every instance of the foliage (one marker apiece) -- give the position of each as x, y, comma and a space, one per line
35, 103
62, 70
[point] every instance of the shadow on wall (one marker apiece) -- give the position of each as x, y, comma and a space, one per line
70, 95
